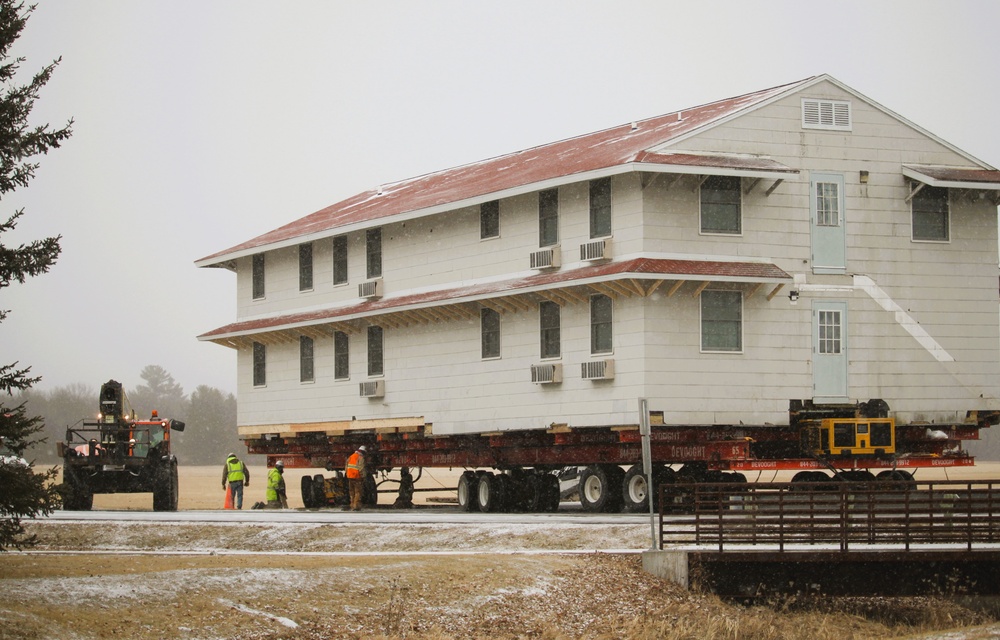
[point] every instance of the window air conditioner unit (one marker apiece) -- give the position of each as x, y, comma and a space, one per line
371, 289
596, 250
545, 258
598, 370
546, 373
373, 389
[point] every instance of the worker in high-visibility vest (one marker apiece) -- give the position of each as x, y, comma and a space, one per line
238, 476
275, 492
355, 472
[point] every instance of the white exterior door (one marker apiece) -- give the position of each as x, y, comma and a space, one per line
826, 211
829, 351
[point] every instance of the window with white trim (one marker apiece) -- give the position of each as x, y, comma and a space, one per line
259, 364
721, 204
257, 275
601, 324
600, 208
721, 321
341, 356
305, 266
373, 253
826, 114
376, 364
549, 329
340, 260
489, 220
548, 217
306, 372
929, 208
828, 204
490, 328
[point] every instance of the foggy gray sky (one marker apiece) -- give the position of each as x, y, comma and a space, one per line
203, 123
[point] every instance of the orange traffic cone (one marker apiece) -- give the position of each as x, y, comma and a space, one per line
229, 497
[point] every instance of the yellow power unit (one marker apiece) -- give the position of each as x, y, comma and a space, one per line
853, 436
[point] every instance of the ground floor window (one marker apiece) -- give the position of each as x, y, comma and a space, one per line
721, 321
341, 356
376, 365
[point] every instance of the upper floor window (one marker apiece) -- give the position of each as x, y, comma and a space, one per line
489, 219
259, 364
549, 333
340, 260
305, 266
490, 330
258, 276
721, 321
306, 373
930, 214
373, 253
826, 114
721, 201
376, 365
600, 324
341, 356
600, 208
548, 217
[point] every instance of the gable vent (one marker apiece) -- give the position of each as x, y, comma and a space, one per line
373, 389
598, 370
370, 289
546, 373
596, 250
826, 114
545, 258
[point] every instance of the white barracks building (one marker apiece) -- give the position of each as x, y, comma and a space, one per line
798, 243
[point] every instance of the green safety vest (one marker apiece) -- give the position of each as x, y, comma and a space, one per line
275, 484
235, 470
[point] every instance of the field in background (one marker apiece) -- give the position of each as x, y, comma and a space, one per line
201, 486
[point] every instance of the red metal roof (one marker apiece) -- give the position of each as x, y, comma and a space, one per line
957, 174
639, 268
601, 150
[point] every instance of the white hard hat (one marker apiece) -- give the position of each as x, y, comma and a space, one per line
279, 463
362, 448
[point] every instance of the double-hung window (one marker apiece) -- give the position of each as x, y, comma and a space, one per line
340, 260
376, 365
489, 220
341, 356
258, 276
549, 329
259, 364
306, 372
600, 324
930, 214
305, 267
373, 253
721, 205
721, 321
490, 329
600, 208
548, 217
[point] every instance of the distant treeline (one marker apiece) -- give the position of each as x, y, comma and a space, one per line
210, 415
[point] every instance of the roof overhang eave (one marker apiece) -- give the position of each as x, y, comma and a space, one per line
700, 170
474, 298
930, 181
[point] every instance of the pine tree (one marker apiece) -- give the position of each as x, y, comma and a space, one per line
25, 493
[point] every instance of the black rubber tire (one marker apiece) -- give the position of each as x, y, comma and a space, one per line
308, 501
488, 493
467, 486
166, 489
635, 490
601, 488
369, 492
551, 492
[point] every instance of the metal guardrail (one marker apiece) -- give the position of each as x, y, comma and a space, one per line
846, 514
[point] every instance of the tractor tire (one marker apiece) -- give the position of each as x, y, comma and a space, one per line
166, 490
467, 487
550, 492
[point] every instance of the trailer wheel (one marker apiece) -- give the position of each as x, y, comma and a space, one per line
635, 489
551, 492
467, 486
489, 493
601, 488
369, 492
166, 489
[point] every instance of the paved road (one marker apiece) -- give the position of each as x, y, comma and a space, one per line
433, 515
